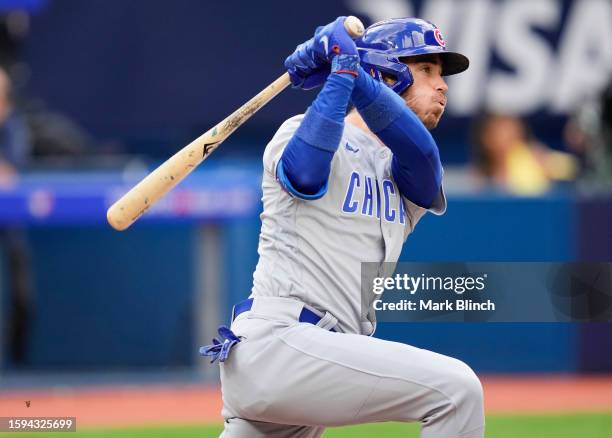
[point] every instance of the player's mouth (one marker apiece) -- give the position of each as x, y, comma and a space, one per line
440, 105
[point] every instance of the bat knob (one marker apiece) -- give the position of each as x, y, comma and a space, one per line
115, 218
353, 26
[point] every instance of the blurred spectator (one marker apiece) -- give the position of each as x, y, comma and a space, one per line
56, 135
15, 151
51, 134
20, 305
506, 155
588, 133
15, 147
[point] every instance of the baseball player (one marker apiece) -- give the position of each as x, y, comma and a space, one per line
339, 190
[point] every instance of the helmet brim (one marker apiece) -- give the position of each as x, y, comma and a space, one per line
452, 62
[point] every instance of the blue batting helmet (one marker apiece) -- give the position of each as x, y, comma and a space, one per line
383, 45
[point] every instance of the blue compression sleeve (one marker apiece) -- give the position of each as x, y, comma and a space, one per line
307, 169
416, 165
304, 167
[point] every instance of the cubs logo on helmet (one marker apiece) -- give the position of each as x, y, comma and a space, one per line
438, 37
383, 44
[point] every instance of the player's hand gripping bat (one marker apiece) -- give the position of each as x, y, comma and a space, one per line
154, 186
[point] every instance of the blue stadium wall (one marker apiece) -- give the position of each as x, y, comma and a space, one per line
110, 300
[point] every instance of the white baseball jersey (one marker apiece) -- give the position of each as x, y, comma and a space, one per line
312, 250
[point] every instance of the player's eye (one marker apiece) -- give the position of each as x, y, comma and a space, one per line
426, 68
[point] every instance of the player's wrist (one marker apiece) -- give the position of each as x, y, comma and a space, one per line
366, 89
345, 64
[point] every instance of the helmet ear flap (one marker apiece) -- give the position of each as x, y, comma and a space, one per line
373, 71
407, 81
379, 64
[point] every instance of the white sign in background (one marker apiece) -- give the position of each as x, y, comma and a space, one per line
554, 77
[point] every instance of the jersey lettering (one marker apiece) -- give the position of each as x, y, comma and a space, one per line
351, 206
355, 199
367, 197
377, 200
388, 190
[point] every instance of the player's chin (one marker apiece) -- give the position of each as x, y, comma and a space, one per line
432, 120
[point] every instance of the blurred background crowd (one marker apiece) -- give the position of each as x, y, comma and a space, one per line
94, 94
78, 82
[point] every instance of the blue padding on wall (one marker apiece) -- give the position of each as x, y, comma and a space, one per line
107, 299
595, 244
495, 228
494, 347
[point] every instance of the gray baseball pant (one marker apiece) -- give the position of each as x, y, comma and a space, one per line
291, 379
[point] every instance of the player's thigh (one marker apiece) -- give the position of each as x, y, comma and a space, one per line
308, 376
241, 428
267, 379
403, 383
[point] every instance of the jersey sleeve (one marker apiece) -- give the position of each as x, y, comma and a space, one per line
414, 213
276, 146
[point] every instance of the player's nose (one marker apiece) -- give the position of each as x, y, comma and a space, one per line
441, 85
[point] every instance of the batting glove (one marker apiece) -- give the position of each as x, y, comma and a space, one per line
309, 65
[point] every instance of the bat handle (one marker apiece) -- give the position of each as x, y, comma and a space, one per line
146, 193
353, 26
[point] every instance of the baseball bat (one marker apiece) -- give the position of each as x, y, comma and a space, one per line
155, 185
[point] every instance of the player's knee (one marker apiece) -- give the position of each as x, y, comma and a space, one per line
467, 395
457, 399
470, 385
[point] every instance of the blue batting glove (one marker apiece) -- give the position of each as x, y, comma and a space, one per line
306, 70
333, 39
309, 65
